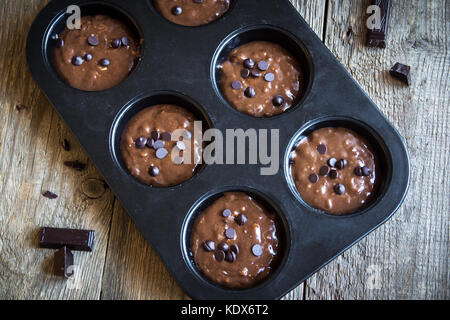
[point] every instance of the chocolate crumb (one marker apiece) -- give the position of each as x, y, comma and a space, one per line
20, 107
50, 195
66, 145
76, 165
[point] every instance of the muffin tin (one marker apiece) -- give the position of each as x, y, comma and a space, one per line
179, 65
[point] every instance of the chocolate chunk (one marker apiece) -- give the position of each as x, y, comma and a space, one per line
269, 77
219, 255
59, 43
231, 256
377, 37
322, 149
50, 195
63, 263
158, 144
339, 189
223, 246
256, 73
241, 219
249, 92
93, 41
324, 170
230, 233
125, 41
236, 85
341, 164
235, 248
358, 171
257, 250
153, 171
161, 153
88, 57
77, 61
209, 246
104, 62
401, 72
177, 10
77, 165
181, 145
66, 145
245, 73
56, 238
249, 63
226, 213
140, 142
150, 143
333, 174
263, 65
116, 43
167, 136
313, 178
155, 135
332, 162
278, 101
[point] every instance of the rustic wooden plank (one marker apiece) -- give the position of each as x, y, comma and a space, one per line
409, 253
31, 162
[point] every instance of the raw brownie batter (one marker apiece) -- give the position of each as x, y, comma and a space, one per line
334, 170
192, 12
261, 79
98, 56
235, 241
147, 146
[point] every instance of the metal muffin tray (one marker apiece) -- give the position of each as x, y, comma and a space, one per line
179, 65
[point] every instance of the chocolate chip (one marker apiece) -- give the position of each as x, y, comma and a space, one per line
155, 135
235, 248
358, 171
257, 250
59, 43
241, 219
324, 171
313, 178
209, 246
88, 57
223, 246
245, 73
140, 142
230, 233
339, 189
401, 72
322, 149
116, 43
158, 144
341, 164
125, 41
161, 153
50, 195
249, 92
104, 62
150, 143
236, 85
93, 41
332, 162
263, 65
219, 255
181, 145
226, 213
77, 61
278, 101
166, 136
249, 63
333, 174
230, 257
269, 77
177, 10
363, 171
153, 171
256, 73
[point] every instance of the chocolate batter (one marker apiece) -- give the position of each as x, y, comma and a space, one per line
235, 241
192, 12
98, 56
334, 170
147, 146
262, 79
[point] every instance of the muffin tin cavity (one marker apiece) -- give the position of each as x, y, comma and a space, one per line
52, 42
144, 102
265, 33
383, 160
262, 200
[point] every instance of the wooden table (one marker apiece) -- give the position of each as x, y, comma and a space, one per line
407, 258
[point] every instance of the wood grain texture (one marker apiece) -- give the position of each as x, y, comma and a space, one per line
410, 253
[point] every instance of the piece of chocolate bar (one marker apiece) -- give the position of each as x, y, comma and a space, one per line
56, 238
377, 37
63, 264
401, 72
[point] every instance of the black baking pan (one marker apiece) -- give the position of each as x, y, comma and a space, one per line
179, 65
